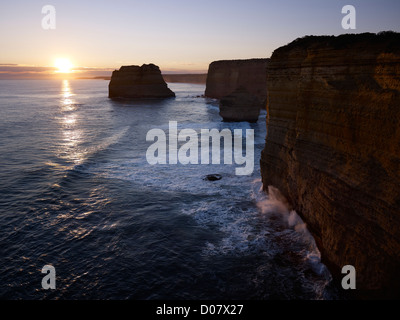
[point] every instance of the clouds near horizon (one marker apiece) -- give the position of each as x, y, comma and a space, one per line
176, 35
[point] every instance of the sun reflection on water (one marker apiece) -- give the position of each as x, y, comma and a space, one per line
66, 97
69, 121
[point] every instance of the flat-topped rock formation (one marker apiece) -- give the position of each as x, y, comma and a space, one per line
225, 77
138, 82
333, 150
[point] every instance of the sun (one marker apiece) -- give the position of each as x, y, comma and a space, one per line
63, 65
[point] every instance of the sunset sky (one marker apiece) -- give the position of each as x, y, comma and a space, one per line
179, 36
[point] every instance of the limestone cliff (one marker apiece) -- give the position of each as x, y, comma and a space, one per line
225, 76
138, 82
333, 149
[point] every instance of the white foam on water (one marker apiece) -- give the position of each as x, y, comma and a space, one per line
274, 204
107, 142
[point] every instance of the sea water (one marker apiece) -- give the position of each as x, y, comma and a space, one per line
77, 193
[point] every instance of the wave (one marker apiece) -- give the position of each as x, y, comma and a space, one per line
274, 205
85, 156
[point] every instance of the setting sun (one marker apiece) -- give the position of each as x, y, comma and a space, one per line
63, 65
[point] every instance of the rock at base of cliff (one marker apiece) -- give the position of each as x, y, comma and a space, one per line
138, 82
240, 106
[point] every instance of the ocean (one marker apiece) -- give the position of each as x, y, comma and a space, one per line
78, 193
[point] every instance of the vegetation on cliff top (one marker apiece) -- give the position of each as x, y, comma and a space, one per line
391, 40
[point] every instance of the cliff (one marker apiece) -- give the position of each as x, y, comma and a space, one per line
138, 82
333, 150
226, 76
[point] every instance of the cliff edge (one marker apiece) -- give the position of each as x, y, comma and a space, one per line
138, 82
333, 149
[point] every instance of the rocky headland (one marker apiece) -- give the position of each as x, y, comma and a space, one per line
333, 150
143, 81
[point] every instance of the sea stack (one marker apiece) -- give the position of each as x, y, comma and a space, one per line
225, 76
241, 87
332, 149
138, 82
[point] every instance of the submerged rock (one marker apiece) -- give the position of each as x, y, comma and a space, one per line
213, 177
138, 82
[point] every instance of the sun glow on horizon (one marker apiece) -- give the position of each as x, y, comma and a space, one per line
63, 65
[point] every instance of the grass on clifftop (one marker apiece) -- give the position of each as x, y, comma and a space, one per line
390, 39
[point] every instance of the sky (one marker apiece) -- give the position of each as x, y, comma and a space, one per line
178, 36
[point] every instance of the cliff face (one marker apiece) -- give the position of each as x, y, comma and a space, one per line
225, 76
138, 82
333, 149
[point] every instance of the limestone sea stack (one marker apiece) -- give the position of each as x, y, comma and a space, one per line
225, 76
138, 82
241, 87
333, 150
